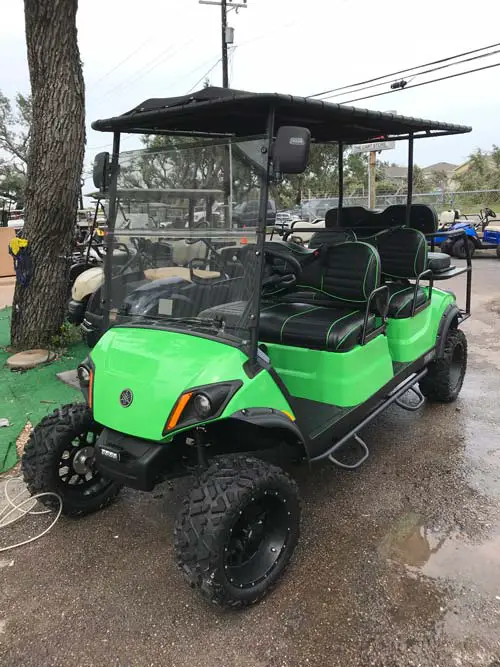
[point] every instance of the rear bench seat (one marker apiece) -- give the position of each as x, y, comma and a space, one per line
365, 223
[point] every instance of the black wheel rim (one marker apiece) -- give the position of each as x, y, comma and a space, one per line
456, 366
257, 540
77, 472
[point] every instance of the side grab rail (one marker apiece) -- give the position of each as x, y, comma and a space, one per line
421, 276
383, 289
452, 233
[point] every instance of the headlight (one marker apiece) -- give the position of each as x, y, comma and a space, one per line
202, 405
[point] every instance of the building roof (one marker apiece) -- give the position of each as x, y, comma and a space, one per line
396, 172
440, 166
224, 111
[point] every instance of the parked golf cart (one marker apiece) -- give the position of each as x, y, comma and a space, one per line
136, 208
294, 351
480, 234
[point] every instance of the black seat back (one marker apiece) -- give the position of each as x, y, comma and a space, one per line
350, 216
330, 237
365, 221
422, 217
403, 252
344, 273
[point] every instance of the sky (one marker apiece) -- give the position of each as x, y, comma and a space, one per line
160, 48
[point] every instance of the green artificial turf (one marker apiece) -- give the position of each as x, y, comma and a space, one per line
30, 395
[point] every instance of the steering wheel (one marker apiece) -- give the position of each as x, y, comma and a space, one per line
285, 271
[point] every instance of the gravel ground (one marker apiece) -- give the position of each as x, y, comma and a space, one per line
398, 563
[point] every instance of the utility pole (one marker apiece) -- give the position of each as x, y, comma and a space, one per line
223, 22
372, 195
227, 34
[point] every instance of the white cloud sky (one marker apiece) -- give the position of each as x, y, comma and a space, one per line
157, 48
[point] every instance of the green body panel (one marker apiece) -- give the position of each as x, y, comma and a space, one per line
411, 337
339, 378
158, 366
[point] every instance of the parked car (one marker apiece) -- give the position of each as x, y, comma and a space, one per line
246, 214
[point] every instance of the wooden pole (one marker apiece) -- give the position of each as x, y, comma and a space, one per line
372, 197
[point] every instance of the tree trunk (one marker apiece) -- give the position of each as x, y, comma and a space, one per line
55, 162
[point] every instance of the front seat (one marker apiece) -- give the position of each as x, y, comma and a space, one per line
337, 288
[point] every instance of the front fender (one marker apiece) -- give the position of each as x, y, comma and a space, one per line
87, 283
449, 320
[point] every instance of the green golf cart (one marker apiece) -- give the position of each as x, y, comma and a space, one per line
258, 346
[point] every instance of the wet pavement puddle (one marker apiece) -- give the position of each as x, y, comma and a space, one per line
447, 555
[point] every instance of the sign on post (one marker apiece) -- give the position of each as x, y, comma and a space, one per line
373, 147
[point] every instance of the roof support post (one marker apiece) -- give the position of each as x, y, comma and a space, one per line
341, 183
253, 306
410, 180
108, 259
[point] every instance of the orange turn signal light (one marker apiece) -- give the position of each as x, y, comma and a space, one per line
91, 388
177, 411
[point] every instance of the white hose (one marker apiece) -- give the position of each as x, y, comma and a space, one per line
13, 506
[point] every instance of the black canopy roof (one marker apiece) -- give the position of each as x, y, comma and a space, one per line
223, 111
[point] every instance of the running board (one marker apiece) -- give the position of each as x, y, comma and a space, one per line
412, 407
359, 462
391, 398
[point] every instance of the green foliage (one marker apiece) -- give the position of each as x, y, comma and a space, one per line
15, 123
322, 176
68, 335
178, 162
482, 172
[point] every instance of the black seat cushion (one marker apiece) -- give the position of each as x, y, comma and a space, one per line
438, 261
401, 299
314, 327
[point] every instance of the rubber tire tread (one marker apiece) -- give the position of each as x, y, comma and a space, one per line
207, 514
458, 249
40, 461
435, 386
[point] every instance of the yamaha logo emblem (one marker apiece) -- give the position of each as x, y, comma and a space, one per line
126, 398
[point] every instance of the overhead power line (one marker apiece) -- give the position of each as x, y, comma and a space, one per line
122, 62
404, 71
426, 71
202, 78
164, 56
423, 83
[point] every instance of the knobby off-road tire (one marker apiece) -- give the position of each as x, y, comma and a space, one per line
447, 247
238, 507
459, 249
59, 442
445, 377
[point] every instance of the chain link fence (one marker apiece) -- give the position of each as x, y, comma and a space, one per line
469, 202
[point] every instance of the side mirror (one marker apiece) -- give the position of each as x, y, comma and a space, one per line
291, 150
101, 171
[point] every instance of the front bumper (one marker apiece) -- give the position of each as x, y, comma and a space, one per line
131, 461
76, 311
91, 330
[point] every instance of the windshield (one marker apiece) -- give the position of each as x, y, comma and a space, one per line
182, 258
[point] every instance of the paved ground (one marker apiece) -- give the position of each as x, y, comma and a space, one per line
398, 565
6, 291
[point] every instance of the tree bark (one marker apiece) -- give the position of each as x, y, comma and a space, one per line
55, 162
